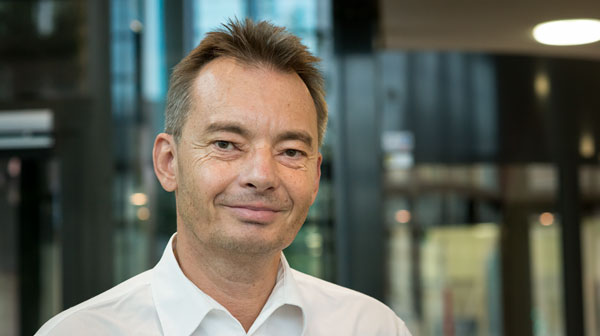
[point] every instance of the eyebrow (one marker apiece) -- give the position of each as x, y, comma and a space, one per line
237, 128
295, 135
231, 127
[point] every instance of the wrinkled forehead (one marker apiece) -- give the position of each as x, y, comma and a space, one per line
225, 87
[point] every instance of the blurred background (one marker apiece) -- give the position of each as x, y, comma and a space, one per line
461, 174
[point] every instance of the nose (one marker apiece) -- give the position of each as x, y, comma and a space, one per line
260, 171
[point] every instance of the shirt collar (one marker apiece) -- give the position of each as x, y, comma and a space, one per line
285, 292
182, 306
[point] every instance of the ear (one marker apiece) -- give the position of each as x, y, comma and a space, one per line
165, 161
317, 177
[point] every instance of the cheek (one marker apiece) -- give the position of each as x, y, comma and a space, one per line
300, 187
214, 177
201, 176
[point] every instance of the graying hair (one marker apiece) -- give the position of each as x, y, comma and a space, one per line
250, 43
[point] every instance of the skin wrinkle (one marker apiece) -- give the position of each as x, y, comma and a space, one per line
214, 154
237, 199
226, 131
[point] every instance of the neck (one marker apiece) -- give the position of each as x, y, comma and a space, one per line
240, 283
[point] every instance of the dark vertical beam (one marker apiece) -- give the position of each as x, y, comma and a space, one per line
354, 26
174, 32
516, 278
569, 208
87, 231
138, 68
342, 232
565, 108
357, 169
188, 25
515, 105
29, 245
251, 9
363, 185
98, 157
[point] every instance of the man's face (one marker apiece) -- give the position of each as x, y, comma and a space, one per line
247, 164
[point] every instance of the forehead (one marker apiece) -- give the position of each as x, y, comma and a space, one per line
226, 89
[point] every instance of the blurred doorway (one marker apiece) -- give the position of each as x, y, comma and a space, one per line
29, 287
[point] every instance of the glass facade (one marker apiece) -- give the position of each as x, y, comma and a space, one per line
471, 199
452, 182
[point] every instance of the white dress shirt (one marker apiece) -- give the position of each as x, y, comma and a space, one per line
163, 301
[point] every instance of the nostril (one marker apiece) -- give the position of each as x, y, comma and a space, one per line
259, 187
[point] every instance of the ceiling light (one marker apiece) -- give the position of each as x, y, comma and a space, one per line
567, 32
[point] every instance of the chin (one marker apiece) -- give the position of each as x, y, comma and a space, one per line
251, 243
251, 246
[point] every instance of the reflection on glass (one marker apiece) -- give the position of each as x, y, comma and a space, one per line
443, 248
460, 279
459, 275
299, 16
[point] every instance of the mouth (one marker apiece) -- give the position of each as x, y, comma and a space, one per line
256, 214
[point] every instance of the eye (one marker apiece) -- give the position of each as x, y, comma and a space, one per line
293, 153
222, 144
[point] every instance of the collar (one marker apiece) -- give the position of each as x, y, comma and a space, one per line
181, 306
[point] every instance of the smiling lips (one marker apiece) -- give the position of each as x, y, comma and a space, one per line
254, 213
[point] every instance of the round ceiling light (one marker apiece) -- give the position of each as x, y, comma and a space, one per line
567, 32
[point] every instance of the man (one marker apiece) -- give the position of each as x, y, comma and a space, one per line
245, 119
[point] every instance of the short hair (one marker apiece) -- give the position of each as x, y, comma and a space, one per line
260, 43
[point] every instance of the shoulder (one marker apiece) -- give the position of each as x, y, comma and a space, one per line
127, 302
328, 293
360, 314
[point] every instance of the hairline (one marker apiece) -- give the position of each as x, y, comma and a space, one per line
249, 63
251, 44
